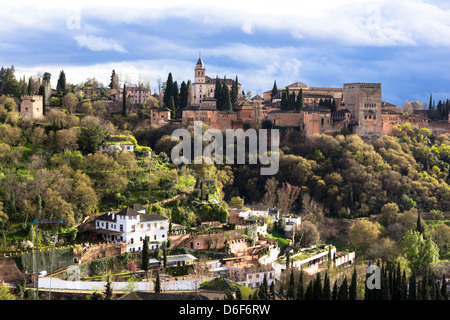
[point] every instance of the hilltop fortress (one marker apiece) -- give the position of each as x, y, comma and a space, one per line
357, 107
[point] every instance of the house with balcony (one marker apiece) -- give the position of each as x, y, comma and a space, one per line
130, 226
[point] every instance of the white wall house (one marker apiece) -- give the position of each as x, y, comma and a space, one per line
132, 225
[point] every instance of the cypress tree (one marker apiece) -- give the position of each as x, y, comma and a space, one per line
238, 294
274, 89
234, 94
353, 286
326, 287
175, 95
61, 85
145, 255
291, 286
157, 283
299, 102
168, 90
412, 288
444, 293
385, 285
272, 290
343, 290
263, 289
318, 291
424, 289
300, 289
404, 292
309, 295
30, 86
171, 107
183, 95
335, 293
124, 101
420, 227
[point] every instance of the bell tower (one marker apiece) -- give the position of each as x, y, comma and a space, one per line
200, 71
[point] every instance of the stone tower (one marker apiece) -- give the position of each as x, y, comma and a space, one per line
363, 100
31, 107
199, 89
200, 75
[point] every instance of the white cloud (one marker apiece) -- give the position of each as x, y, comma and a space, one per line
98, 43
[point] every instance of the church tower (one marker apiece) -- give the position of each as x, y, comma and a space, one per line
200, 75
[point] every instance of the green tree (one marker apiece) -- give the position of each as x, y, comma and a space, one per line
335, 292
343, 290
291, 287
61, 87
300, 289
145, 255
168, 90
412, 287
124, 101
353, 286
157, 283
274, 89
420, 253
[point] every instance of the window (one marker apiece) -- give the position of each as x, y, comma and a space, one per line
121, 227
131, 240
154, 237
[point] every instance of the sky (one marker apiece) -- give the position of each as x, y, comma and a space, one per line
404, 45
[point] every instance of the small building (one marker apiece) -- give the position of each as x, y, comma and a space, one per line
32, 107
160, 116
180, 260
131, 225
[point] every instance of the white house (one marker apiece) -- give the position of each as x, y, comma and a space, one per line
132, 225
